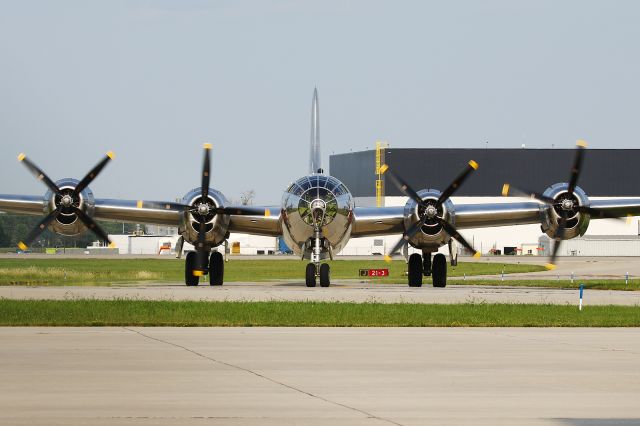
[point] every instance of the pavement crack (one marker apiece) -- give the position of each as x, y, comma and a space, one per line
262, 376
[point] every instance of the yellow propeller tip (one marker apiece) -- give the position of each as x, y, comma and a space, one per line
629, 219
387, 258
477, 254
207, 146
581, 143
197, 273
267, 213
505, 189
550, 266
383, 169
139, 204
22, 246
21, 156
112, 245
111, 155
474, 165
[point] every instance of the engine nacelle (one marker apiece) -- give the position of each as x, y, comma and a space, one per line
431, 235
67, 222
577, 223
217, 225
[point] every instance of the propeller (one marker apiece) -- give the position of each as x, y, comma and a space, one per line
430, 209
66, 201
203, 208
564, 204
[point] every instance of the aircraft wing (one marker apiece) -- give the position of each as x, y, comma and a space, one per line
265, 221
260, 221
371, 221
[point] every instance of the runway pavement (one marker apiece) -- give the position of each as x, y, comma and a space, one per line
311, 376
341, 291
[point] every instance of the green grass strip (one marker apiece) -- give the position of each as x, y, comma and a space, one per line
96, 271
591, 284
307, 314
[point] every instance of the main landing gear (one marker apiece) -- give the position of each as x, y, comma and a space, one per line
216, 269
419, 267
322, 271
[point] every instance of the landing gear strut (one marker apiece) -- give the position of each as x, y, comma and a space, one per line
315, 269
419, 266
216, 269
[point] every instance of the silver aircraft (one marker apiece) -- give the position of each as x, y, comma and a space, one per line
317, 216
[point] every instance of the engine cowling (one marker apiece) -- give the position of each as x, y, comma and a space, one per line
217, 225
577, 222
67, 222
431, 236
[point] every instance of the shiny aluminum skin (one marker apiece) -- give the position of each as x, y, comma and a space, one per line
431, 236
577, 223
67, 223
217, 224
296, 218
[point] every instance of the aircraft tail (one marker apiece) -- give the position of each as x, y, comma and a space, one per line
314, 159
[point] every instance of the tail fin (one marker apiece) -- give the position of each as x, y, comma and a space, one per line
314, 159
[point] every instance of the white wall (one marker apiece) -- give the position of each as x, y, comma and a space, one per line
150, 244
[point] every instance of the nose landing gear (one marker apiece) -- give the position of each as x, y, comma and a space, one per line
322, 271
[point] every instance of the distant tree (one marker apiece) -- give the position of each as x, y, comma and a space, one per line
247, 197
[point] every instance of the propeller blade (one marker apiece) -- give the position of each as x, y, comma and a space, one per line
509, 190
93, 173
413, 230
577, 165
557, 237
206, 171
401, 184
38, 173
453, 232
93, 226
457, 182
39, 229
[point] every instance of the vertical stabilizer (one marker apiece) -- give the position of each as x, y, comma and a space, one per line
314, 158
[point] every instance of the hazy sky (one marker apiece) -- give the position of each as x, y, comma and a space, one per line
153, 80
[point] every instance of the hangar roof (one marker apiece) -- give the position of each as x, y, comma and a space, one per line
605, 172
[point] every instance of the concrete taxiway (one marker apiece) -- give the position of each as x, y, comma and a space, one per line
340, 291
311, 376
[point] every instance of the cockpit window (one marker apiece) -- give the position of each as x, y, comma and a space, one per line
331, 184
304, 183
297, 190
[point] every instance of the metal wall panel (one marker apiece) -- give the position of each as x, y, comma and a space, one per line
606, 172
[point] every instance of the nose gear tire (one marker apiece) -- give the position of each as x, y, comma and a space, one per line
325, 272
310, 275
